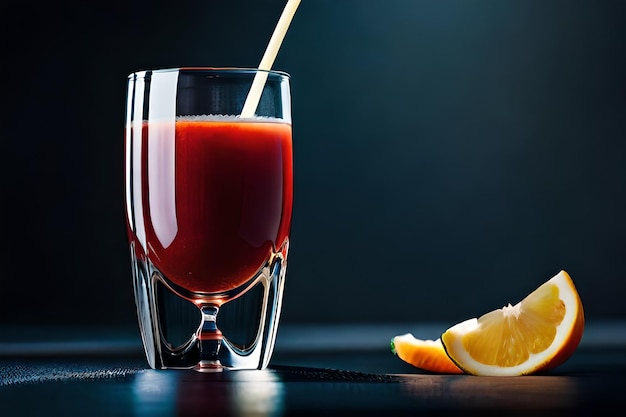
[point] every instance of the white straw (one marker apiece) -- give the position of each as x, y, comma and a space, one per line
254, 95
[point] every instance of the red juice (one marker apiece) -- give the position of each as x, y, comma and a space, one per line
216, 197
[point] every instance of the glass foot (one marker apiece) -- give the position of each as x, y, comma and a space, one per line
209, 367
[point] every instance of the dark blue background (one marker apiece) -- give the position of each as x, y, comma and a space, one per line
450, 156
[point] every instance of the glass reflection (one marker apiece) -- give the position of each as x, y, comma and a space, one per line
184, 393
154, 393
259, 393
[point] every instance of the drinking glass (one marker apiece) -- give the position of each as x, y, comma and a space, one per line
208, 210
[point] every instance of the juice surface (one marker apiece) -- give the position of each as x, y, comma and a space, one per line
217, 198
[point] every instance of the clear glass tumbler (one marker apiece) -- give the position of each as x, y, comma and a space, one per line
208, 209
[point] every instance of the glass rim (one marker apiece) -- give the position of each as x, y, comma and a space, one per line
209, 70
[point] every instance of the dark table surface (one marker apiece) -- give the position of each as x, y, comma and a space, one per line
314, 371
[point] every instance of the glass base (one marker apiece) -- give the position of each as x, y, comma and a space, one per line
209, 366
208, 334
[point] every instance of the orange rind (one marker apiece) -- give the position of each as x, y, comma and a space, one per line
425, 354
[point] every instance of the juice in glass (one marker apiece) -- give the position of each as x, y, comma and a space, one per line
217, 198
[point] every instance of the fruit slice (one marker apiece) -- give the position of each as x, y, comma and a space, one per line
540, 332
428, 355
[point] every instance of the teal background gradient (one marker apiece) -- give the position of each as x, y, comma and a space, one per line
450, 156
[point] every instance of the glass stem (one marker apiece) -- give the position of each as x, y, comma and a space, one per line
210, 338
